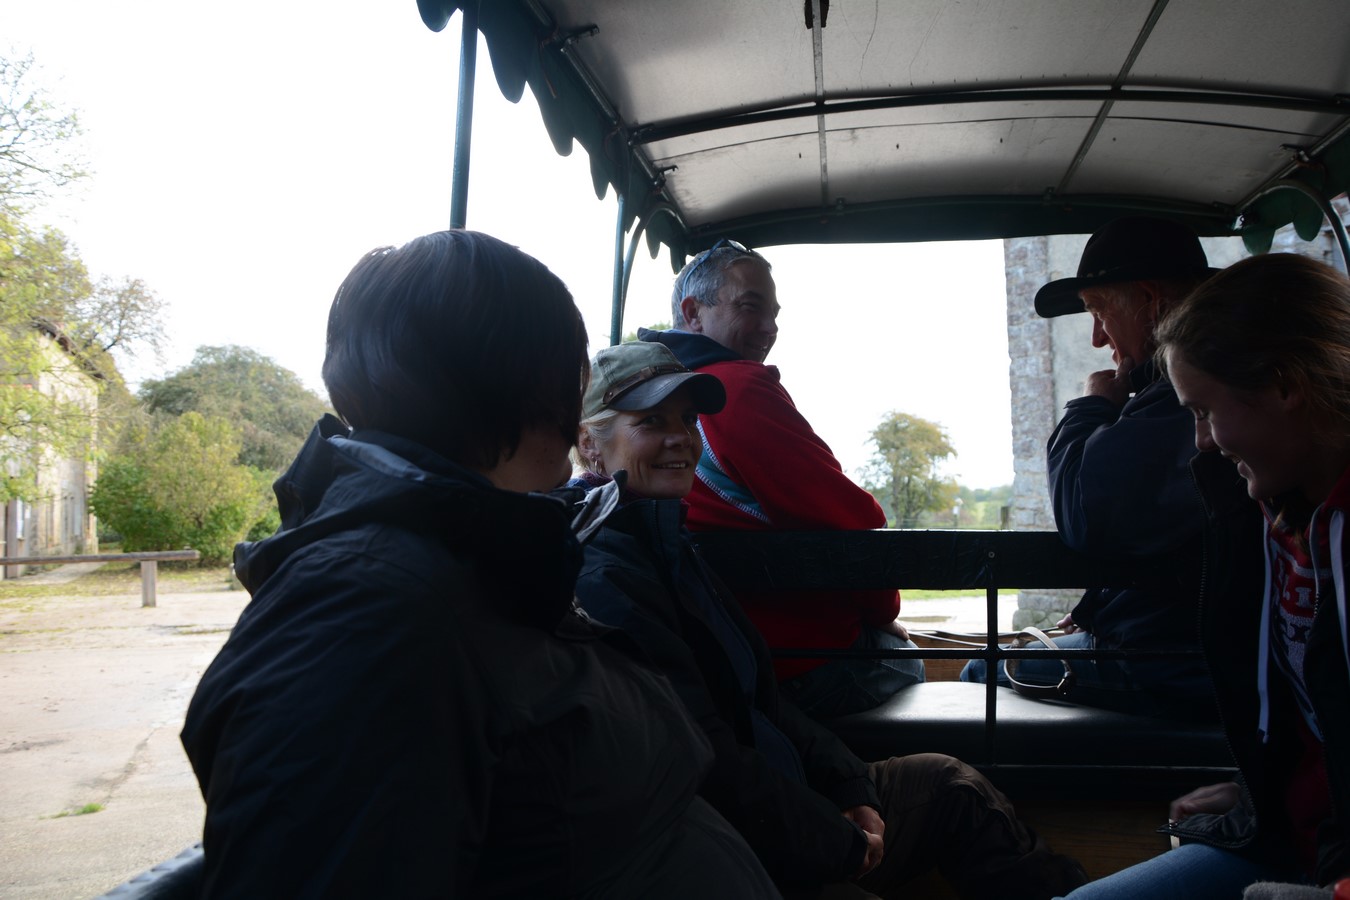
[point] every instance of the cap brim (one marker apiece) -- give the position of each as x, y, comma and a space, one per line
1060, 298
709, 395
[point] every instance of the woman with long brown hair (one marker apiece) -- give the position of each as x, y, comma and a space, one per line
1261, 355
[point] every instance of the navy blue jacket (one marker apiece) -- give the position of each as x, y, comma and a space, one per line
778, 776
694, 351
1121, 487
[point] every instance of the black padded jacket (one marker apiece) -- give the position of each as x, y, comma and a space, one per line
642, 574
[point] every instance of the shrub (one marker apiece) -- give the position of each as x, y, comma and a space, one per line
270, 521
179, 485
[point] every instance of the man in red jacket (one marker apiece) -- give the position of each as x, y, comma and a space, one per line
764, 468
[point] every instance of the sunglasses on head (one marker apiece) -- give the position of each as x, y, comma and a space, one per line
708, 254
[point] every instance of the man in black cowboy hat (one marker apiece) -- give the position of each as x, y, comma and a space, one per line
1119, 474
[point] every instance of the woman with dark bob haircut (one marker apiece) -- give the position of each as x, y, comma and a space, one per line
412, 704
1261, 355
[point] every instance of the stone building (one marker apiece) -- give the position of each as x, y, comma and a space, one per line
58, 520
1051, 358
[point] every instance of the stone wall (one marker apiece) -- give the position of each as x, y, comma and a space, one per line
1036, 399
1030, 372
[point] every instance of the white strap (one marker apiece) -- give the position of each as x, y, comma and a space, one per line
1338, 578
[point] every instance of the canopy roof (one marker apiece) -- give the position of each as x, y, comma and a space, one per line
848, 121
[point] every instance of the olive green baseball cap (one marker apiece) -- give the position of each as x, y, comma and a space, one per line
640, 374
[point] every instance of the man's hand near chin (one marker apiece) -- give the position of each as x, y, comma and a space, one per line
1113, 384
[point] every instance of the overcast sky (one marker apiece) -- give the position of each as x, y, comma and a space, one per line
245, 155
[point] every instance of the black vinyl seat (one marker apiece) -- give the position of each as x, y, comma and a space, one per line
178, 878
1040, 741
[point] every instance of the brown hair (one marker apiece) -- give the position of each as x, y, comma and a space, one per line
1277, 320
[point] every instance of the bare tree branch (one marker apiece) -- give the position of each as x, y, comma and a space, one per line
39, 147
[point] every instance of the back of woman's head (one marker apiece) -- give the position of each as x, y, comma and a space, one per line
1276, 320
459, 341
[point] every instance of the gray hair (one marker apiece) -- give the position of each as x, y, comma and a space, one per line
1119, 295
704, 282
1170, 291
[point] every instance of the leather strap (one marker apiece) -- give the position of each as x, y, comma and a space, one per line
1026, 636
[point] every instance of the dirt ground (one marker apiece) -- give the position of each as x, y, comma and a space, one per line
93, 690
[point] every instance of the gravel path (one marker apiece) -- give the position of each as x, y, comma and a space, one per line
92, 696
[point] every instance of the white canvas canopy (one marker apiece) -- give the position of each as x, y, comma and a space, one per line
893, 120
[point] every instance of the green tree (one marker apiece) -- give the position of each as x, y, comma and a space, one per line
45, 402
271, 406
902, 473
180, 485
58, 381
983, 507
633, 335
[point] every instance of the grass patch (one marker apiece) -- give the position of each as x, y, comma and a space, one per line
119, 578
947, 595
82, 811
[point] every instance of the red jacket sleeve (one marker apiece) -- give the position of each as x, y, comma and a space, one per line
764, 444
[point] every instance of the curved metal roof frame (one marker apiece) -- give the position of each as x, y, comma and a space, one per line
934, 120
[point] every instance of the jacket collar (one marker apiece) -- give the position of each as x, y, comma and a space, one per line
590, 481
1330, 516
1144, 374
345, 483
693, 350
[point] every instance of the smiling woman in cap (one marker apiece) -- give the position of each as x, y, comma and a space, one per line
640, 415
812, 811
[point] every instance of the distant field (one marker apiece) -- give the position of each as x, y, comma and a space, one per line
950, 595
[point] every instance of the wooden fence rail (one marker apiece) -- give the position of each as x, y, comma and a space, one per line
149, 562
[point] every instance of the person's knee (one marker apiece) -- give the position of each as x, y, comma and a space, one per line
921, 777
943, 768
912, 670
966, 795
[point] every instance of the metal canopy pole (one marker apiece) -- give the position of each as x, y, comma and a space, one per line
620, 283
468, 66
631, 254
620, 292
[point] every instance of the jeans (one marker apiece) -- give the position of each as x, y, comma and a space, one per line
1190, 872
844, 686
1103, 683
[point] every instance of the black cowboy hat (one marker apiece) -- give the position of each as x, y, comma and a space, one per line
1135, 248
